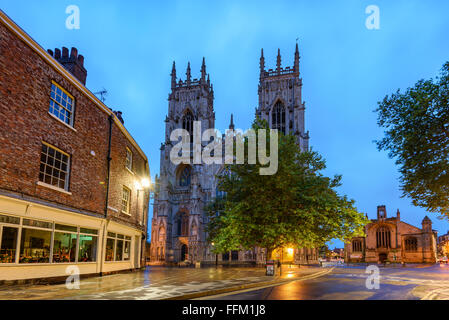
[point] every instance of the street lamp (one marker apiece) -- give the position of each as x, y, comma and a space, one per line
216, 256
142, 185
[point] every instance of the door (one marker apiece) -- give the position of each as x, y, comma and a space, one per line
382, 257
184, 252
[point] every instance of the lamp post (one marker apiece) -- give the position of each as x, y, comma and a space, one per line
216, 256
143, 184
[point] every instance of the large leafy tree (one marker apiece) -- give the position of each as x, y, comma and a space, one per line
297, 206
416, 125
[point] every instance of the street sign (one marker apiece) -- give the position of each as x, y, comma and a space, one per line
270, 268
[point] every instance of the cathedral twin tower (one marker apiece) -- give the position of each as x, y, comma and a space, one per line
179, 219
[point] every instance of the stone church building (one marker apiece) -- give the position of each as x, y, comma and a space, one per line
179, 219
393, 240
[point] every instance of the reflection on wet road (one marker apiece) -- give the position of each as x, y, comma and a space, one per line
349, 283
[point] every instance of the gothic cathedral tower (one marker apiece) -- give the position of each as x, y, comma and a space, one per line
183, 190
179, 219
280, 102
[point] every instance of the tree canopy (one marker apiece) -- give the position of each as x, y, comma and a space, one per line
297, 206
416, 125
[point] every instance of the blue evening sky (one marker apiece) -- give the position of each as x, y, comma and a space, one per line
129, 47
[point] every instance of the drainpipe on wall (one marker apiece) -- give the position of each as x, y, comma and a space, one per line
106, 221
111, 119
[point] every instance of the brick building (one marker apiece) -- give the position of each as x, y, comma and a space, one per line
72, 179
393, 240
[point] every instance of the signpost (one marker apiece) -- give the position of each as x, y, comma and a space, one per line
270, 268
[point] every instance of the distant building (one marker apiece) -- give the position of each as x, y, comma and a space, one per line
390, 239
443, 245
70, 173
339, 253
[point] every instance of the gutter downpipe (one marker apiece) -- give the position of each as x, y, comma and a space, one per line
103, 246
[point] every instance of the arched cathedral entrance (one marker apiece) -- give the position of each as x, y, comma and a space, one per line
184, 252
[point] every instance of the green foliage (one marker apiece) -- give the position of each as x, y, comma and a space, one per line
416, 125
297, 206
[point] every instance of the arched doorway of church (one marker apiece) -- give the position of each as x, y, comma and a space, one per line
382, 257
184, 252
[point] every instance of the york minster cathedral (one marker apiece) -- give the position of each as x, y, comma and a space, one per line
183, 191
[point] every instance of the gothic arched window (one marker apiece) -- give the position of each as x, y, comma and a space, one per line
187, 123
411, 244
278, 117
185, 176
183, 224
383, 237
356, 246
161, 234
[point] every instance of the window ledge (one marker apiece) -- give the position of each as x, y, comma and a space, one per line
67, 125
126, 213
49, 186
130, 171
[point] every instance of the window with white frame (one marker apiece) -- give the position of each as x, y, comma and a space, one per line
118, 247
27, 241
126, 197
129, 159
54, 167
61, 104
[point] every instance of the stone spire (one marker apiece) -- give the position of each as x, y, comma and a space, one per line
296, 65
173, 76
208, 80
278, 63
203, 71
188, 74
262, 64
231, 125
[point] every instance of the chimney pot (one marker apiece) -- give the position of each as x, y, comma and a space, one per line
81, 60
50, 52
57, 53
65, 52
73, 53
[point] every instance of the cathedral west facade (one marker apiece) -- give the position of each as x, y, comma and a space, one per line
184, 190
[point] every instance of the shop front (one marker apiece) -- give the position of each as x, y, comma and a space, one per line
38, 241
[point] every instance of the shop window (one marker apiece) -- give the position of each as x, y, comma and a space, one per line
110, 244
35, 246
8, 245
118, 247
64, 247
87, 248
127, 250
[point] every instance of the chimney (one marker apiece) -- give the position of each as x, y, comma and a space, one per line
74, 63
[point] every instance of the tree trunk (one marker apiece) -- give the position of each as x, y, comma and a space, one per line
269, 254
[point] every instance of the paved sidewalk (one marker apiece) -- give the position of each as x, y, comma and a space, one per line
156, 283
